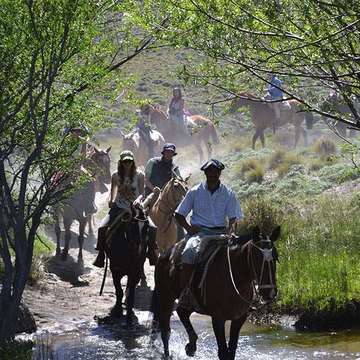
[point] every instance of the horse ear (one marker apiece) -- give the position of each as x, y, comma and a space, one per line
108, 149
275, 233
96, 150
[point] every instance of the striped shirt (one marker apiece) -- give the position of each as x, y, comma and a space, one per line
210, 209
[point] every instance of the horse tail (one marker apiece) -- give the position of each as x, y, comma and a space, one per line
214, 135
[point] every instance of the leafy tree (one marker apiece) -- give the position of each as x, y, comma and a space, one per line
57, 59
312, 45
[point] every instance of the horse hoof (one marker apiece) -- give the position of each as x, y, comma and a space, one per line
190, 349
116, 312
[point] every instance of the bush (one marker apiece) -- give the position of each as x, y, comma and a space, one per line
325, 147
262, 212
252, 170
281, 161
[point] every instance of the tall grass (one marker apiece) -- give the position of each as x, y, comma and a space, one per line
319, 255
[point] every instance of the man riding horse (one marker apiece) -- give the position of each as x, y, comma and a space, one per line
211, 204
159, 170
275, 94
144, 127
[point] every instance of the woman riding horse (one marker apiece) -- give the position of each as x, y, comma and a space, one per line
121, 235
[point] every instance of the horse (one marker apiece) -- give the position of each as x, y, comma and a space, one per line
229, 289
202, 133
126, 249
263, 116
143, 149
162, 212
335, 104
81, 204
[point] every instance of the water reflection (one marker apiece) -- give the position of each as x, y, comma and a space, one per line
116, 341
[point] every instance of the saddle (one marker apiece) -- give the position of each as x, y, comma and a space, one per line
209, 248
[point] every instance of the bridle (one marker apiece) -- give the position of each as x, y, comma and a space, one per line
268, 260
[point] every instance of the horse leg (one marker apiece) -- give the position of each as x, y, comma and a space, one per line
58, 235
255, 137
219, 331
90, 221
200, 151
117, 310
234, 336
184, 316
82, 225
304, 134
67, 225
130, 299
262, 138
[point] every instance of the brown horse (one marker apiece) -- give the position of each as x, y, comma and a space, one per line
143, 149
203, 131
263, 116
228, 293
81, 205
162, 212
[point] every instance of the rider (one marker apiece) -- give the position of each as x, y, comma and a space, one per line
212, 205
159, 170
275, 94
144, 128
127, 184
176, 110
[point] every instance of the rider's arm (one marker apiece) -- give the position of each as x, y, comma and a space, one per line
148, 170
232, 225
113, 189
141, 179
233, 210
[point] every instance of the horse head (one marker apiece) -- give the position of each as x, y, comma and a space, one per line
242, 99
100, 160
262, 258
174, 191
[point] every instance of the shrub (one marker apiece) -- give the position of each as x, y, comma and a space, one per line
325, 147
252, 170
282, 160
262, 212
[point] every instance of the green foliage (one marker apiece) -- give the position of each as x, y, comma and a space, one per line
16, 350
262, 212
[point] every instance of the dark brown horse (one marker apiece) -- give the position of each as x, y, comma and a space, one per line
126, 249
228, 293
203, 131
81, 205
263, 116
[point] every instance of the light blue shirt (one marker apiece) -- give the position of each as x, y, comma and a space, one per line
210, 209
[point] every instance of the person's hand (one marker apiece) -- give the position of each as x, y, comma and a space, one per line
194, 229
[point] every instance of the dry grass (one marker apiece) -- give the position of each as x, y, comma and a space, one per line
282, 160
325, 147
252, 170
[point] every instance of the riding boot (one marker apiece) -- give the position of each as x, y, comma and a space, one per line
100, 259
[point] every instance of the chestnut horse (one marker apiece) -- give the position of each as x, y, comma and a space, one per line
229, 290
143, 149
202, 133
263, 116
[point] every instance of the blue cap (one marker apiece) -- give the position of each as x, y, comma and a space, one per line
213, 162
169, 146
